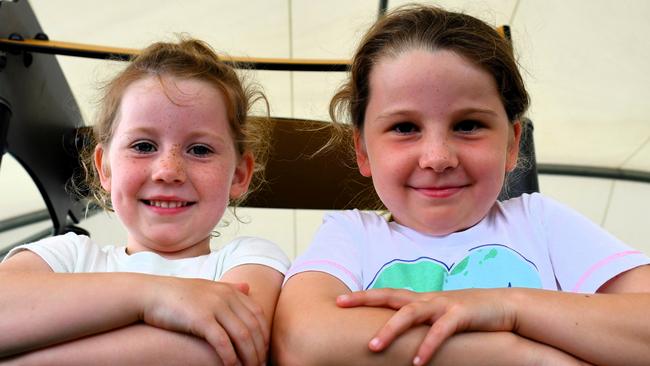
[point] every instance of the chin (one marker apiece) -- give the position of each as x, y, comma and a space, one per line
166, 243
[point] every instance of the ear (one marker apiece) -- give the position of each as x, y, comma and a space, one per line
361, 154
102, 167
241, 179
513, 146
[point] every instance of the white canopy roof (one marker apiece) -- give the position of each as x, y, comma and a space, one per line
586, 63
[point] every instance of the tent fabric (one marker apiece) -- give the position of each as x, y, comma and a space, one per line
585, 64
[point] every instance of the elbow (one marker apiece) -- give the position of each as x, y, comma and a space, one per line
287, 348
293, 345
281, 354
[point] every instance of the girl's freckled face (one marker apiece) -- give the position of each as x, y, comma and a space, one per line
436, 140
177, 150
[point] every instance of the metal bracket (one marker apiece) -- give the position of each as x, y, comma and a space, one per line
28, 58
3, 60
7, 1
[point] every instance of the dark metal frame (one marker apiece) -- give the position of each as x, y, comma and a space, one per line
594, 172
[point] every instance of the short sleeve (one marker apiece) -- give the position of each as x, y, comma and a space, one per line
63, 253
252, 250
335, 250
584, 256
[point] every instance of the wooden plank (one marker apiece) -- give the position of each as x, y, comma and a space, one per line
118, 53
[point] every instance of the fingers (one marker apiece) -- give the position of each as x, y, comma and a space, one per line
252, 317
241, 337
413, 309
218, 338
391, 298
243, 321
405, 318
442, 329
421, 312
243, 287
262, 321
221, 313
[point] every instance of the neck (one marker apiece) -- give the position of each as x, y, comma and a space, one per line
174, 252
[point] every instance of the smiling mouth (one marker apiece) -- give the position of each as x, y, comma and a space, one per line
440, 192
167, 204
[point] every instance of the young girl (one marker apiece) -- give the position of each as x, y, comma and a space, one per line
436, 102
173, 150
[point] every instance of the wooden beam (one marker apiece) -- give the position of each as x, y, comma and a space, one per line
125, 54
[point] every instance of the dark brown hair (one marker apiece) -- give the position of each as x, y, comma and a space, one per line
413, 27
431, 28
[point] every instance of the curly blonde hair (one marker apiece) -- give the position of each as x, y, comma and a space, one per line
188, 59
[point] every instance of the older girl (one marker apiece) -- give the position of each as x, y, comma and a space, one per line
455, 277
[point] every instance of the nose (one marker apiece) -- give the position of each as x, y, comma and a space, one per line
169, 167
438, 154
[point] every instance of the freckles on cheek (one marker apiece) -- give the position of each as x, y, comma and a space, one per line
133, 173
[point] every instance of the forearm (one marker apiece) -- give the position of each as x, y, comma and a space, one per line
41, 309
310, 329
499, 349
610, 329
349, 335
318, 334
337, 339
137, 344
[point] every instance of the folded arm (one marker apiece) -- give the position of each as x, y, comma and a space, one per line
605, 328
40, 308
102, 310
311, 329
137, 344
610, 328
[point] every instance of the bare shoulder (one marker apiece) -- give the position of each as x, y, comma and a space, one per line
254, 274
25, 261
634, 280
264, 283
313, 286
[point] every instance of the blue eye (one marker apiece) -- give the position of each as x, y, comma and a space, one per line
200, 150
405, 128
144, 147
467, 126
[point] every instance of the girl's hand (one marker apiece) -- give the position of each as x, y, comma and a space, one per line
219, 312
448, 312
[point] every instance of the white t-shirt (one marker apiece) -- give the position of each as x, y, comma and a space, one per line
529, 241
72, 253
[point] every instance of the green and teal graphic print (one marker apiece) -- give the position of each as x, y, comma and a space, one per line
486, 266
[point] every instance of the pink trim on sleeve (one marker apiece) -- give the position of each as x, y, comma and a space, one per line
333, 264
601, 264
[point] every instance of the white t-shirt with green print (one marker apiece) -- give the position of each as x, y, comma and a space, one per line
529, 241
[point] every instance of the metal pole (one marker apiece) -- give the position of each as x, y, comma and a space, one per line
383, 6
5, 116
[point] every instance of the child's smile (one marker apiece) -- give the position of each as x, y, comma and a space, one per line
167, 206
436, 140
171, 166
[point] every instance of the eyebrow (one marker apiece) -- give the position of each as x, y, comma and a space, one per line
472, 110
462, 111
191, 135
397, 112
